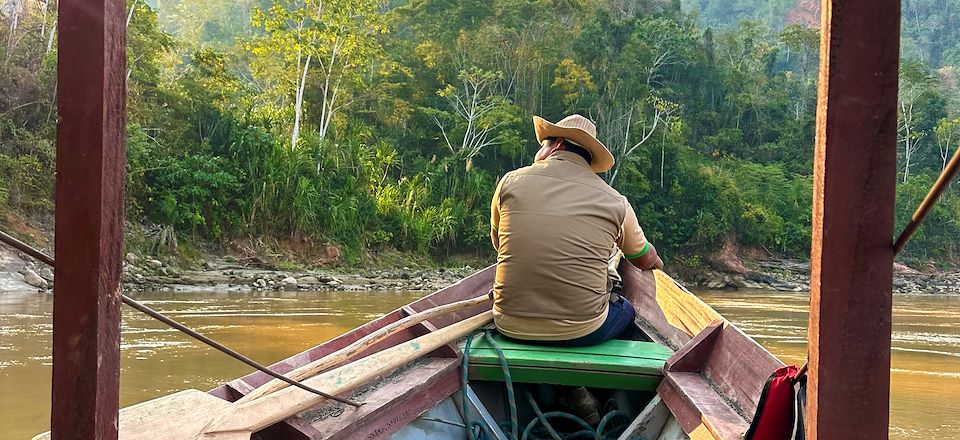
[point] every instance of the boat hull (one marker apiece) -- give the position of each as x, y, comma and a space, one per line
708, 351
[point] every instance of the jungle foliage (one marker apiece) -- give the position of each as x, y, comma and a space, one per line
373, 124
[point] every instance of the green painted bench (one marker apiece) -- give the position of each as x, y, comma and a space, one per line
615, 364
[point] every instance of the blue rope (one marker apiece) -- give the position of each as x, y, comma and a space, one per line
463, 387
606, 418
546, 424
559, 415
478, 429
508, 380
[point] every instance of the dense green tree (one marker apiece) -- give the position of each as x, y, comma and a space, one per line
387, 123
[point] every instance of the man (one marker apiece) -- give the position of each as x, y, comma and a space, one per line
554, 225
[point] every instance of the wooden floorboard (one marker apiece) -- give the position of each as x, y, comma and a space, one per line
396, 402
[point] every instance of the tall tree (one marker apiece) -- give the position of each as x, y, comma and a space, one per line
948, 136
909, 135
479, 114
339, 36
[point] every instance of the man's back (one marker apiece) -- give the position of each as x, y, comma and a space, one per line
557, 223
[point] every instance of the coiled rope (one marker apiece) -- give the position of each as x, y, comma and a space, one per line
478, 429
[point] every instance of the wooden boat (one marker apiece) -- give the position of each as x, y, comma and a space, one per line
693, 375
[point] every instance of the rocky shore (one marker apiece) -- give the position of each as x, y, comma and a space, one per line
225, 274
794, 276
146, 273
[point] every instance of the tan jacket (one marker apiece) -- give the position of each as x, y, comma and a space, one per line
555, 224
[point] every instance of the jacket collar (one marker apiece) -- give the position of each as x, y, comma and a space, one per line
569, 156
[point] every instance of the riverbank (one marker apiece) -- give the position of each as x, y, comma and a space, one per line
794, 276
18, 272
229, 273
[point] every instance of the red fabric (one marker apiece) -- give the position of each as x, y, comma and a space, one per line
775, 420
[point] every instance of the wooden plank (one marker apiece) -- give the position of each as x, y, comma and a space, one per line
672, 431
586, 363
738, 367
554, 376
665, 311
180, 406
258, 378
471, 286
855, 166
623, 349
613, 347
649, 423
223, 420
89, 218
694, 402
692, 356
731, 370
395, 403
687, 415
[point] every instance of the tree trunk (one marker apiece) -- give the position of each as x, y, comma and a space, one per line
906, 168
298, 106
43, 19
15, 16
53, 32
133, 5
662, 155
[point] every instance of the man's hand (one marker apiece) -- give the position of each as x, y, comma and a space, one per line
658, 264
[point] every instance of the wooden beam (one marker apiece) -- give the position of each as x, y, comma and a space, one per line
89, 218
853, 200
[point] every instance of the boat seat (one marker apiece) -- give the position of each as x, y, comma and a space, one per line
615, 364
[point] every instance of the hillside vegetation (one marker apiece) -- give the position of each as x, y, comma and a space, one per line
386, 124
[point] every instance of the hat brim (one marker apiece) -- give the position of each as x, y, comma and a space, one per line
602, 159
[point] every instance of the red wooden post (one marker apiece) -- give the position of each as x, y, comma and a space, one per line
853, 199
89, 222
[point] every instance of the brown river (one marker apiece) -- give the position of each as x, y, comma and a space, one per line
271, 326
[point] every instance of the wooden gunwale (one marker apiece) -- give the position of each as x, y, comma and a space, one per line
712, 390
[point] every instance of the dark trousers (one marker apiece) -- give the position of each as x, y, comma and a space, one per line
618, 324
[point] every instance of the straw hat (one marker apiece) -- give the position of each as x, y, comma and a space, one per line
580, 131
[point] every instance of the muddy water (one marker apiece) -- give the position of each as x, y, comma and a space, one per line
269, 327
156, 361
925, 377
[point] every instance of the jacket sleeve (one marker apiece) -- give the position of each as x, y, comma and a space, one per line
495, 217
632, 241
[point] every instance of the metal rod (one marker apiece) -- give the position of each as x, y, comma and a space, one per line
164, 319
943, 182
26, 248
44, 258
